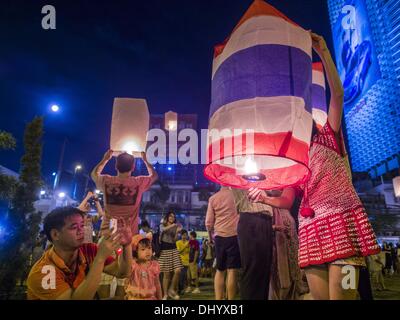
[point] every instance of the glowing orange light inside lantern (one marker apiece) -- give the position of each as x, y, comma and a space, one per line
250, 166
130, 147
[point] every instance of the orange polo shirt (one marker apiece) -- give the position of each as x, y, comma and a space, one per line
50, 277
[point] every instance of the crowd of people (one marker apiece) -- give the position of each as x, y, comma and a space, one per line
268, 244
386, 263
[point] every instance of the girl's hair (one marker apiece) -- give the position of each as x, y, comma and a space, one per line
165, 219
142, 243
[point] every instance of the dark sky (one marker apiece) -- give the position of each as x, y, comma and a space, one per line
160, 50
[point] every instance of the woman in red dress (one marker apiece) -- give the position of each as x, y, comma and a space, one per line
335, 235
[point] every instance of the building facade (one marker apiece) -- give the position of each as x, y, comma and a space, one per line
366, 35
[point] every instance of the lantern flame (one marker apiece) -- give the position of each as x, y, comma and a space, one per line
250, 166
130, 147
172, 125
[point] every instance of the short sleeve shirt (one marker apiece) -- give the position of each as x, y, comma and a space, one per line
123, 195
194, 246
184, 250
50, 277
142, 284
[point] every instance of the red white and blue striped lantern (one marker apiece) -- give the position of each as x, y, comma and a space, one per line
261, 81
319, 105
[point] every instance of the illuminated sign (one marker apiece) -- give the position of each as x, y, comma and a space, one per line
355, 53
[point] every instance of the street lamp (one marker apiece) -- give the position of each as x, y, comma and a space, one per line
55, 108
61, 195
42, 192
77, 168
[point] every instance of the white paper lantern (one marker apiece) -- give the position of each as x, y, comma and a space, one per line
396, 185
171, 121
129, 127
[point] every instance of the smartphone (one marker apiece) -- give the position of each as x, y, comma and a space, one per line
113, 225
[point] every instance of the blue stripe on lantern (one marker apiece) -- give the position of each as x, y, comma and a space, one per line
319, 98
263, 71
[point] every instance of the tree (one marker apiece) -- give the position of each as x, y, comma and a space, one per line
22, 219
7, 187
7, 141
7, 184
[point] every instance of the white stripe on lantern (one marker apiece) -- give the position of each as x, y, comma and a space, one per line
318, 78
266, 115
320, 117
265, 162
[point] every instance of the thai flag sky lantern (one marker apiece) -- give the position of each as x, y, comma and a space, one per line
129, 127
261, 81
319, 105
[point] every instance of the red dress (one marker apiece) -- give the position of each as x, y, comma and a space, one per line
337, 227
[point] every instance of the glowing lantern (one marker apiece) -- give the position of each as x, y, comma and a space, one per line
396, 185
261, 81
130, 123
171, 121
319, 105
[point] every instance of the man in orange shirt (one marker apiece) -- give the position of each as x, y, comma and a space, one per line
69, 269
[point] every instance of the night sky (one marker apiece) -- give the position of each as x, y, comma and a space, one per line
158, 50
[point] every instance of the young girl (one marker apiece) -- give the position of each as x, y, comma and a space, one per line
144, 282
334, 229
170, 261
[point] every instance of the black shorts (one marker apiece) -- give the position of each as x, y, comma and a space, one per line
227, 253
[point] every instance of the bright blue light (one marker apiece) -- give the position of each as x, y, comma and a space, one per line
3, 232
169, 169
55, 108
54, 174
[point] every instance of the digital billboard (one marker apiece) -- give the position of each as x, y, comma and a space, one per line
356, 58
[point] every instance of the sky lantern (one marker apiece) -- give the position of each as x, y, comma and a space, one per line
261, 103
171, 121
129, 126
319, 105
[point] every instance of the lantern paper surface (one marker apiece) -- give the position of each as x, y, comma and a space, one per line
130, 124
261, 81
319, 105
396, 185
171, 121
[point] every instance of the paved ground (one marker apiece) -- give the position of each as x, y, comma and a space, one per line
207, 291
392, 292
206, 288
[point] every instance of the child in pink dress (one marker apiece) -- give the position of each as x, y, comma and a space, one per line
144, 282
